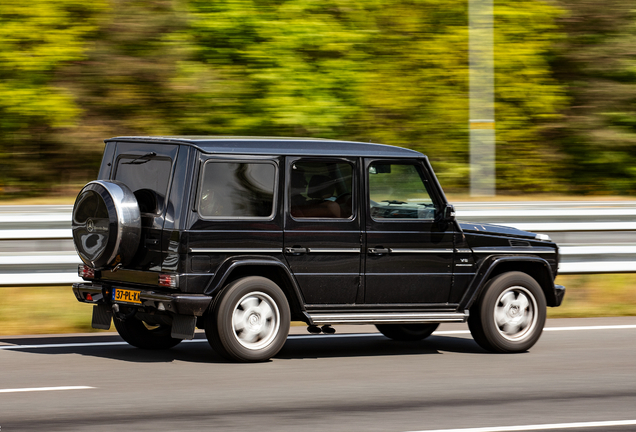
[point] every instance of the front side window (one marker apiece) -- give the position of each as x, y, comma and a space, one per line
321, 190
398, 191
237, 190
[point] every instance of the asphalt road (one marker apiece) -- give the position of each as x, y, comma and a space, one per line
346, 382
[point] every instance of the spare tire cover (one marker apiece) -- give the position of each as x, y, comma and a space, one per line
106, 224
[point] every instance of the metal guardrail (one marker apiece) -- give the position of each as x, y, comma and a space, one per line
36, 245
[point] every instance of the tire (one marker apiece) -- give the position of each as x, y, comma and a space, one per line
509, 315
141, 335
249, 321
106, 224
407, 332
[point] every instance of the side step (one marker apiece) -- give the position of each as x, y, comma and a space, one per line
387, 317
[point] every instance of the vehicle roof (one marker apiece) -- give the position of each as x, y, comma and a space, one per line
276, 145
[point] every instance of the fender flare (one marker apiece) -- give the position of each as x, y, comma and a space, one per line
492, 262
228, 266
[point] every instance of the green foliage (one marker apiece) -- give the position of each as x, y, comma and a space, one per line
125, 84
390, 71
36, 38
528, 98
598, 131
384, 71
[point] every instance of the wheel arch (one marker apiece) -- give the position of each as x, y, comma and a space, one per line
535, 267
268, 267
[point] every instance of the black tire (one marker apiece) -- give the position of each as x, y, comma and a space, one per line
141, 335
509, 315
250, 320
106, 224
407, 332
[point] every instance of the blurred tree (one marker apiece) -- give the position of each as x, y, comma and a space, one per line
597, 64
273, 67
36, 38
125, 83
418, 91
391, 71
528, 98
386, 71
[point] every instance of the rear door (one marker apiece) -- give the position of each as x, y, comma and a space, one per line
322, 228
147, 169
236, 212
409, 255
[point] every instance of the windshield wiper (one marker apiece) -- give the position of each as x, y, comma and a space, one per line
141, 159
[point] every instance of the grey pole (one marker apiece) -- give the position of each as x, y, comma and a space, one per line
481, 95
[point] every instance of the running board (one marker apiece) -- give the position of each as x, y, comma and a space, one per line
387, 318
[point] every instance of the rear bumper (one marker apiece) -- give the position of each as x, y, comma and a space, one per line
182, 304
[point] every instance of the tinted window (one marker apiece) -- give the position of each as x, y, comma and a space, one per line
147, 177
398, 191
321, 190
237, 190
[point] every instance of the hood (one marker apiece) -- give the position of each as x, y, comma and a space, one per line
482, 228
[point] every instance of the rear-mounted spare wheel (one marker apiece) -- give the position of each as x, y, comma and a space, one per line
106, 224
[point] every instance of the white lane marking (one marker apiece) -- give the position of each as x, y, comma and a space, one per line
577, 425
606, 327
64, 345
40, 389
346, 335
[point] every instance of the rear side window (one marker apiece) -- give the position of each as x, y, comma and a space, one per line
237, 190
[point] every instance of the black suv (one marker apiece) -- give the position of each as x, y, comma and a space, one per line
240, 236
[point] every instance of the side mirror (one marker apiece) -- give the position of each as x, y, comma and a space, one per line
449, 213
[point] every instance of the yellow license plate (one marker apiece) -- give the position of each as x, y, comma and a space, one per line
124, 295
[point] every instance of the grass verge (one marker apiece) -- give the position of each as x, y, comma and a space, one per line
39, 310
596, 295
54, 309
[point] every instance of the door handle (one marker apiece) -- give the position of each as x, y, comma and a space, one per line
295, 250
379, 251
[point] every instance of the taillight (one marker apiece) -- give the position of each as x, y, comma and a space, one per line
86, 272
169, 281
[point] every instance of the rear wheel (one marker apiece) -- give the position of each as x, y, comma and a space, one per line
407, 332
147, 336
510, 314
250, 320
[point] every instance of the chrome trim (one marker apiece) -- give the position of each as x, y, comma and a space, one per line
463, 250
431, 251
334, 250
128, 219
410, 274
525, 250
387, 317
234, 250
464, 265
247, 160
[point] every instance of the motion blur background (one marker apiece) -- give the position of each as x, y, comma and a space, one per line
391, 71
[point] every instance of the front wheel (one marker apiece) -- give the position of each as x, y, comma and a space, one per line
407, 332
510, 314
250, 321
147, 336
